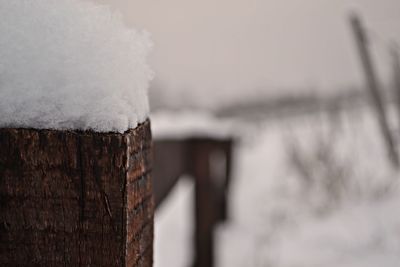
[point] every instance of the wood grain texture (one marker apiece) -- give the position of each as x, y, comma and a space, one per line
72, 198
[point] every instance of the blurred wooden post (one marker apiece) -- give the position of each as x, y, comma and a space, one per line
372, 84
194, 156
210, 195
205, 206
396, 76
74, 198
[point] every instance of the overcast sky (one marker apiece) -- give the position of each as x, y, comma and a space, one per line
221, 47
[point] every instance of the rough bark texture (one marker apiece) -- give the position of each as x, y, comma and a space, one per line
70, 198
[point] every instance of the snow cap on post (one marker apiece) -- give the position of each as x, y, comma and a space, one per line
71, 64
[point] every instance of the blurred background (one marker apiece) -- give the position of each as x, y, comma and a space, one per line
276, 126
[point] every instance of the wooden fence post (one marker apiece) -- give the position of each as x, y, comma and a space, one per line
210, 195
372, 84
74, 198
396, 77
205, 207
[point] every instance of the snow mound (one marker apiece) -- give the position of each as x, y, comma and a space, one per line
70, 64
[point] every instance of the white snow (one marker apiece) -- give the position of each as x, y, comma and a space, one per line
281, 219
343, 215
71, 64
174, 227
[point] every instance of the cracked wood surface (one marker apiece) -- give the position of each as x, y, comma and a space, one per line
74, 198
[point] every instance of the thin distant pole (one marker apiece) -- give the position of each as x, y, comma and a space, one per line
373, 88
396, 76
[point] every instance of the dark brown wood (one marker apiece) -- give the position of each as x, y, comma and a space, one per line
209, 162
206, 206
171, 161
372, 85
73, 198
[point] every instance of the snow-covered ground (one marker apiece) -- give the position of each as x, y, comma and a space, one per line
314, 190
174, 226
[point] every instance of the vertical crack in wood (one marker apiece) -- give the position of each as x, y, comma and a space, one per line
81, 194
125, 202
82, 181
107, 205
104, 200
64, 165
64, 233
